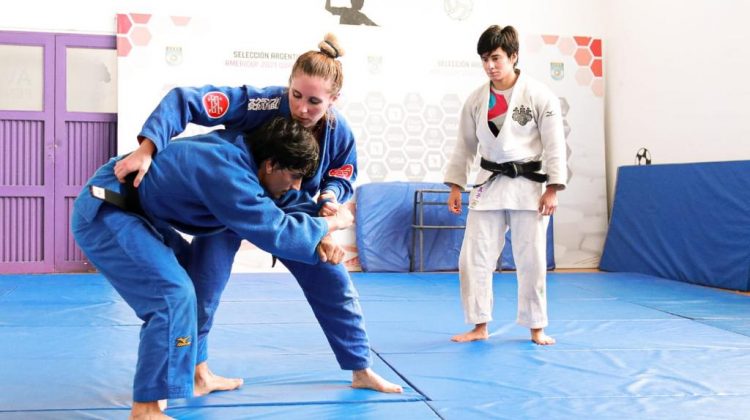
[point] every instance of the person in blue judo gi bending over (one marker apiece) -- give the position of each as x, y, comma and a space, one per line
225, 180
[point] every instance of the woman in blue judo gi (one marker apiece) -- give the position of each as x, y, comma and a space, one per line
314, 85
137, 249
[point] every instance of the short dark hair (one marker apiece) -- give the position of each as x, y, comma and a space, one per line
287, 143
496, 37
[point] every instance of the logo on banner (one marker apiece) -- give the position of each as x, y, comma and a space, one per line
173, 56
351, 15
374, 63
344, 172
557, 71
216, 104
458, 9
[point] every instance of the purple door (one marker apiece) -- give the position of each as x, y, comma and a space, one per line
85, 128
53, 133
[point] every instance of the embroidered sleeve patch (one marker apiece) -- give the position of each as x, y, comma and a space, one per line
216, 104
344, 172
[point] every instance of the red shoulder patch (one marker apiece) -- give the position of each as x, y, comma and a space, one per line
216, 104
344, 172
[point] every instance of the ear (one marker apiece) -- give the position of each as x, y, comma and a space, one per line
268, 166
333, 99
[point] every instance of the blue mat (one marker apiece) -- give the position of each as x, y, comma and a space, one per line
658, 407
629, 346
385, 234
687, 222
360, 411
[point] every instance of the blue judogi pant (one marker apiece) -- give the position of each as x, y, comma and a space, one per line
145, 271
328, 289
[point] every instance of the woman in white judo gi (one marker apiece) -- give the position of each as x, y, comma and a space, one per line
516, 126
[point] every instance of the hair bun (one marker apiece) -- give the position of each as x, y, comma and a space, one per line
330, 46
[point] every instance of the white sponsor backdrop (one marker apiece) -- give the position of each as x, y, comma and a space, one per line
405, 82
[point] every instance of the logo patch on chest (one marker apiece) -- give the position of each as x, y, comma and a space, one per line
344, 172
522, 115
216, 104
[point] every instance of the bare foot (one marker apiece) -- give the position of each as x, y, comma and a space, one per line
147, 411
206, 382
539, 337
367, 379
478, 333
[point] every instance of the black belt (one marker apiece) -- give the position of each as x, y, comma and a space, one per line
528, 170
127, 199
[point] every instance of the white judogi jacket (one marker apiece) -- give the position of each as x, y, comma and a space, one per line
533, 130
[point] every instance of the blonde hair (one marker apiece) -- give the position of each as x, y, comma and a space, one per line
323, 63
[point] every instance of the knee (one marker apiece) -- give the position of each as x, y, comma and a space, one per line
334, 287
180, 300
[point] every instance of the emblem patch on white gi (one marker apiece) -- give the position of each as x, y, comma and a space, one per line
263, 104
216, 104
184, 341
557, 71
522, 115
344, 172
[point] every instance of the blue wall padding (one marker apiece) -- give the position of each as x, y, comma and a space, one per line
385, 213
688, 222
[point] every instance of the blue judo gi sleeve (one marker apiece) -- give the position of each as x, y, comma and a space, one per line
239, 108
339, 163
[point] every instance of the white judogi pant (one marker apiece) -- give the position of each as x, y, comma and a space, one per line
483, 243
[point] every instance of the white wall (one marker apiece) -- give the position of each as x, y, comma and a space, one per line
84, 16
675, 70
97, 17
677, 84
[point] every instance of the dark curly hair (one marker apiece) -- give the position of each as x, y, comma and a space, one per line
287, 143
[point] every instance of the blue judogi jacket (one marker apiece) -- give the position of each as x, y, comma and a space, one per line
207, 183
246, 108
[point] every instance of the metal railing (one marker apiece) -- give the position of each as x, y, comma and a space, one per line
418, 226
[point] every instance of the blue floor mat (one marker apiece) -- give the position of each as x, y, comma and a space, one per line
629, 346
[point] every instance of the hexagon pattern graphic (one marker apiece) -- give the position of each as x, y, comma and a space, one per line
411, 139
133, 31
180, 20
587, 53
